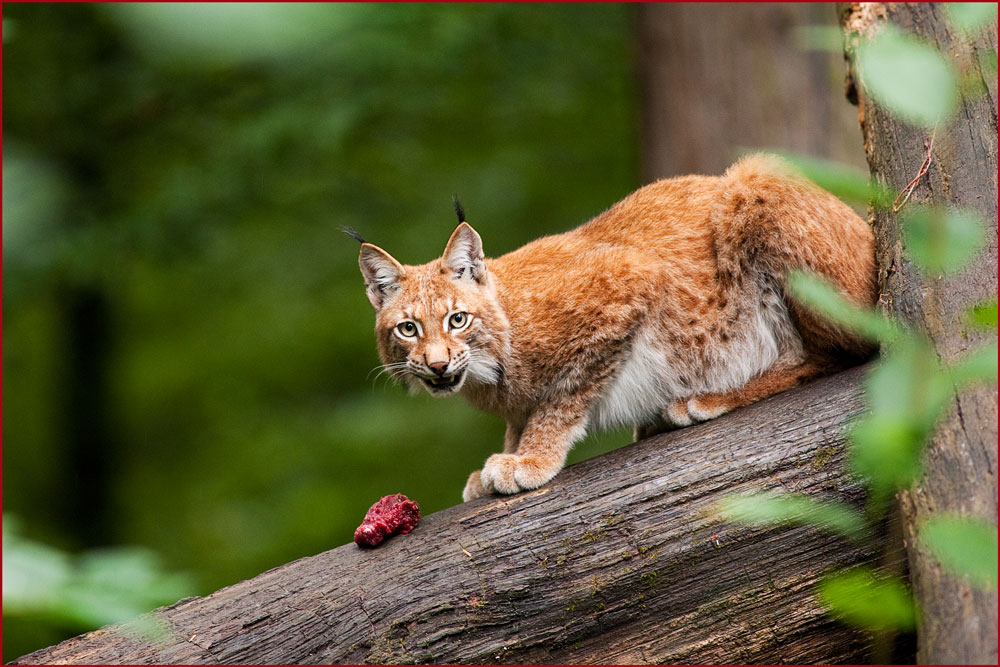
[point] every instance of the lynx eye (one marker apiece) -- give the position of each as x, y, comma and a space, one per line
407, 329
459, 320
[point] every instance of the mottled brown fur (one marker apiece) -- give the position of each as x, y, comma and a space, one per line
673, 296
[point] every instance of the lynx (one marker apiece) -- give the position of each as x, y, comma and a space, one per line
665, 310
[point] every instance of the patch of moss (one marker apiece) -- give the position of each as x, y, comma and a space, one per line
823, 456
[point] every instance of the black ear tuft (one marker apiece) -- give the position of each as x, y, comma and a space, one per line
353, 233
459, 211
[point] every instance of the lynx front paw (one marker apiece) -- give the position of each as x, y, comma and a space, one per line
474, 488
511, 473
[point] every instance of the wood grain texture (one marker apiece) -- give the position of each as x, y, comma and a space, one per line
619, 559
958, 623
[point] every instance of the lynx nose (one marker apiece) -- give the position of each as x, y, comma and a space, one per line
438, 367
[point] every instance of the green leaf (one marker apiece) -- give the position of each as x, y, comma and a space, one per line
86, 591
886, 451
909, 384
909, 77
941, 241
868, 600
846, 182
975, 367
969, 17
88, 607
988, 61
117, 584
907, 393
983, 315
34, 575
768, 509
823, 297
964, 546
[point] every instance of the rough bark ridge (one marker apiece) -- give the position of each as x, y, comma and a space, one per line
958, 623
617, 560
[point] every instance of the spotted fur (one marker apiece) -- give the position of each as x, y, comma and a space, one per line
665, 310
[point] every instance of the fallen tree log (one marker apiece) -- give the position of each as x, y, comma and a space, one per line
620, 559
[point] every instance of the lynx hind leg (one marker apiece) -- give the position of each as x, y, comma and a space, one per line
774, 380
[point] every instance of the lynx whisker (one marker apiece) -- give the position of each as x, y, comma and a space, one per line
391, 371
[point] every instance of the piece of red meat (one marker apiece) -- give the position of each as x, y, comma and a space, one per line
390, 515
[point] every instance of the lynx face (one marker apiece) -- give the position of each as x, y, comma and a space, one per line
435, 340
438, 325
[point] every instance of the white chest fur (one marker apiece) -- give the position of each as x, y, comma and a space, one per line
648, 381
643, 386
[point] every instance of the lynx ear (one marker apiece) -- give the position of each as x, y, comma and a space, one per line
382, 273
463, 256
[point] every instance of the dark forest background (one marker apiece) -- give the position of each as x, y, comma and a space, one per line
188, 353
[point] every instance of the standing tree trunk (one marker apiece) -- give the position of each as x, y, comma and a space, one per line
716, 79
958, 623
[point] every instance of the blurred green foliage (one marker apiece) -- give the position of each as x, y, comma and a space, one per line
770, 509
851, 185
909, 389
908, 76
982, 315
95, 588
939, 240
964, 546
869, 599
186, 167
971, 17
826, 300
907, 393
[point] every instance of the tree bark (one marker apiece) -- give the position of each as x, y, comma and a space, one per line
620, 559
958, 623
717, 79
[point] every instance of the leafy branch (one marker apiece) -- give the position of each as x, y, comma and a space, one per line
910, 389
